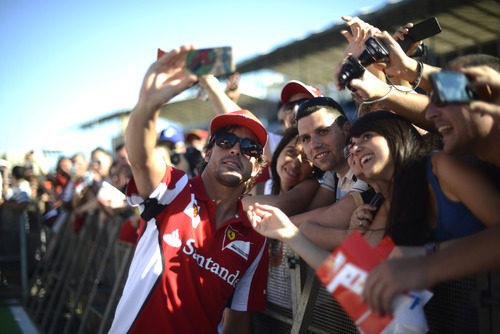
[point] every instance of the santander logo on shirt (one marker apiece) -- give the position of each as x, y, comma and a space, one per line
208, 264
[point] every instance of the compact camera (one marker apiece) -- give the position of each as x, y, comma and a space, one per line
451, 87
353, 68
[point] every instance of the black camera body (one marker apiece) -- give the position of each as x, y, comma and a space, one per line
354, 69
374, 51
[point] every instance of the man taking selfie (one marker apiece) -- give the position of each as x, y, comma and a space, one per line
197, 253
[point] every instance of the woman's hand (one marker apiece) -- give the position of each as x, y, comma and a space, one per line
400, 35
271, 222
362, 218
360, 32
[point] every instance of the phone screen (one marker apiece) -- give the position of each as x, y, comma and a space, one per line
216, 61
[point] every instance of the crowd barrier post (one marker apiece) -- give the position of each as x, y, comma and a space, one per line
68, 267
49, 268
105, 241
126, 259
302, 317
23, 256
70, 296
19, 219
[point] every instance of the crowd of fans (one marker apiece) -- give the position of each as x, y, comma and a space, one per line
429, 155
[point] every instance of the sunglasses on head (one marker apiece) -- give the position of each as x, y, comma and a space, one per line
226, 140
290, 105
322, 101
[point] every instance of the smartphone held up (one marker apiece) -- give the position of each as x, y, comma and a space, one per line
451, 87
420, 31
217, 61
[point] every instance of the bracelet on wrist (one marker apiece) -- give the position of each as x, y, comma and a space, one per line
391, 88
420, 72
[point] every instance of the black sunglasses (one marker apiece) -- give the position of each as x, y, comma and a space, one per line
227, 140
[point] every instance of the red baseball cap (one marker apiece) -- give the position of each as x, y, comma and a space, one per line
199, 133
294, 86
243, 118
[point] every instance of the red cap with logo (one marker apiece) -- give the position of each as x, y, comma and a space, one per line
242, 118
294, 86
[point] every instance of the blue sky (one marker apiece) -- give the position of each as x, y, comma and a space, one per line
68, 62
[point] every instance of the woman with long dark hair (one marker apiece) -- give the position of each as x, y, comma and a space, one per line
428, 196
289, 165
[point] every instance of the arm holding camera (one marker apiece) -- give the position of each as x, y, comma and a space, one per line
360, 32
164, 79
406, 103
402, 66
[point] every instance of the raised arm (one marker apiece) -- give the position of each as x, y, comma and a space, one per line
406, 103
402, 66
359, 32
221, 102
165, 79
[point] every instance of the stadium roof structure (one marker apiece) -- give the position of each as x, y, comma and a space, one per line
192, 113
468, 26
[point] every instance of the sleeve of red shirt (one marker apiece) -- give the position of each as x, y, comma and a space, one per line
128, 233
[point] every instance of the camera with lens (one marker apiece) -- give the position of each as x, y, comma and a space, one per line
353, 68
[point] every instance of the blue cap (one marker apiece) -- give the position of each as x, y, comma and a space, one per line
172, 134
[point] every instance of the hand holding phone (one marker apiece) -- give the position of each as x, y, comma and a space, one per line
420, 31
216, 61
376, 201
451, 87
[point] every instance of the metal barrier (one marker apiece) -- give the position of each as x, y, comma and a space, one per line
75, 289
470, 305
19, 221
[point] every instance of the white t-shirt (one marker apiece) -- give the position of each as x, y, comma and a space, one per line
20, 193
346, 183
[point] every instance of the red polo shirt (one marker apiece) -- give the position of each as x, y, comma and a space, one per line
185, 271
